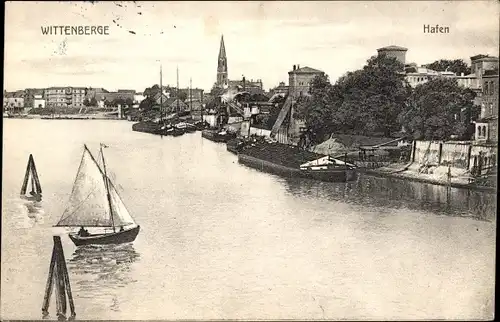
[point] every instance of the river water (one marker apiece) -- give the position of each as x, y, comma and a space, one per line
219, 240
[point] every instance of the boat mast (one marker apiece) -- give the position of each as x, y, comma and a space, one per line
107, 189
177, 89
190, 94
201, 107
161, 96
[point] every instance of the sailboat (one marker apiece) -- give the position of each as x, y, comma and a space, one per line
36, 188
95, 202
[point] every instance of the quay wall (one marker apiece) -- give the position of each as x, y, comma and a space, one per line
463, 155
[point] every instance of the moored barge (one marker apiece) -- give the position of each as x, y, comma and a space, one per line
290, 161
217, 135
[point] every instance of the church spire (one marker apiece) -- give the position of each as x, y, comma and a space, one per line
222, 79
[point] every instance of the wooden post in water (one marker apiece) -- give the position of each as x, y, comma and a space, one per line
58, 278
35, 181
345, 163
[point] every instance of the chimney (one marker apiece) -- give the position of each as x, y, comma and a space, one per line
293, 67
298, 66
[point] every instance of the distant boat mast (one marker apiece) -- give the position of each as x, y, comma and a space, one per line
177, 89
191, 94
161, 95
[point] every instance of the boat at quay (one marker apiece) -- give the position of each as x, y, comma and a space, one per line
217, 135
289, 161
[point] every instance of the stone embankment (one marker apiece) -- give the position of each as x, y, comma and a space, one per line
444, 176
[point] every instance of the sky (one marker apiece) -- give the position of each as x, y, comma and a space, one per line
263, 40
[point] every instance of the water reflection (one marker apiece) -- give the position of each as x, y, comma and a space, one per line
100, 271
395, 193
25, 213
35, 209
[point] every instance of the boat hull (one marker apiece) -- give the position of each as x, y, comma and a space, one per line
120, 237
216, 137
328, 175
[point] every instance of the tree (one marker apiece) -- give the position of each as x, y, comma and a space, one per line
364, 102
93, 101
457, 66
147, 104
86, 102
216, 91
152, 91
129, 101
182, 96
438, 109
316, 110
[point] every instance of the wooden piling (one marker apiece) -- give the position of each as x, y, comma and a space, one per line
59, 279
346, 171
35, 183
48, 288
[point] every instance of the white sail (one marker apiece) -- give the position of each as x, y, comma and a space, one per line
88, 204
121, 216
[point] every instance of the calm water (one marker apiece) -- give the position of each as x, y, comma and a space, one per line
222, 241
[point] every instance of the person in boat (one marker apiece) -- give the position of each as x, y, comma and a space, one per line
83, 232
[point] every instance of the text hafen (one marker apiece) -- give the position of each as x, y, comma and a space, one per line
437, 29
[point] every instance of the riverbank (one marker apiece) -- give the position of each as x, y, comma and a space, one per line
268, 156
65, 117
409, 172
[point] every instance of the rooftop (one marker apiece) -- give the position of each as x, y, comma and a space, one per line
392, 48
484, 57
306, 70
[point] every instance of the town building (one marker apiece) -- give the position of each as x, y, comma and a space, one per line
223, 81
481, 63
196, 93
487, 125
13, 100
177, 105
420, 75
245, 84
395, 52
281, 89
193, 105
299, 80
71, 97
38, 101
113, 99
95, 92
29, 96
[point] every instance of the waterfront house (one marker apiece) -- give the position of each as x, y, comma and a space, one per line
487, 125
96, 93
29, 97
69, 97
13, 101
178, 105
38, 101
193, 105
287, 129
